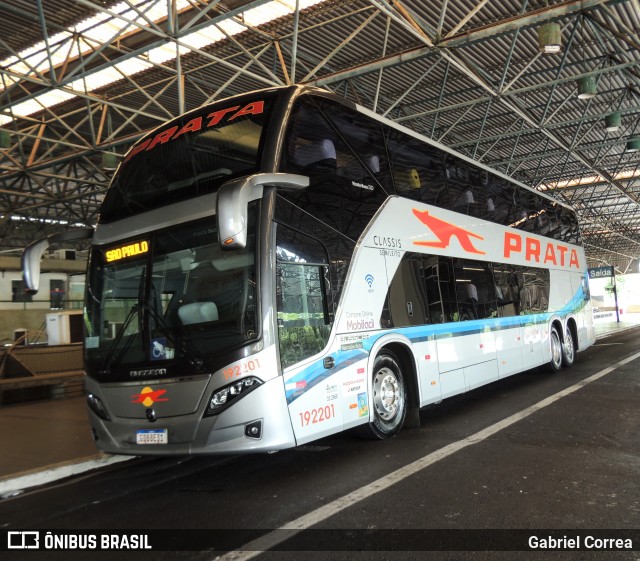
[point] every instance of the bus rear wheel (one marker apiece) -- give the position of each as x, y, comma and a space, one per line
388, 399
568, 348
555, 343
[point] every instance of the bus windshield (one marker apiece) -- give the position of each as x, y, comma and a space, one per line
173, 296
188, 157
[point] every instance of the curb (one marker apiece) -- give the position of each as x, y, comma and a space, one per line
18, 483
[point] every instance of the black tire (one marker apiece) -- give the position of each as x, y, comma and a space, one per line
568, 348
555, 344
388, 399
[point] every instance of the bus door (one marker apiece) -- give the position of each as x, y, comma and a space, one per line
465, 301
509, 336
407, 307
311, 374
440, 286
534, 303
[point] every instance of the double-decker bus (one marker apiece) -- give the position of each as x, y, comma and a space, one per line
284, 265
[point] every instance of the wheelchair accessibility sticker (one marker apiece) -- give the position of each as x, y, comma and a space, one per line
160, 351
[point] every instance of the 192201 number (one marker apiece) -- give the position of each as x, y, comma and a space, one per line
240, 369
318, 415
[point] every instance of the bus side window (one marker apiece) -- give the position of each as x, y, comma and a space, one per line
534, 296
476, 290
311, 145
344, 157
353, 170
362, 159
407, 181
440, 288
586, 291
507, 289
464, 202
302, 287
406, 301
418, 171
467, 300
317, 156
569, 232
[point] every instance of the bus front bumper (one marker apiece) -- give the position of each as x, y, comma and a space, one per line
257, 422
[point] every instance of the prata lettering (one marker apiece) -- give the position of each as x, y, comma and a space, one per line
196, 124
535, 251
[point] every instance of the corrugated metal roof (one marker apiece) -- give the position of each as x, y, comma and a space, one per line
477, 84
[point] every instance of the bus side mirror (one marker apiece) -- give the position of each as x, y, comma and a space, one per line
32, 255
233, 199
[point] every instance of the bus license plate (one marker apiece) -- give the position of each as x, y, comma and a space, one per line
152, 436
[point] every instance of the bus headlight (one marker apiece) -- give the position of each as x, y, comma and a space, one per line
97, 407
225, 396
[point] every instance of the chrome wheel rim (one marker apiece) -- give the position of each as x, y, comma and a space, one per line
386, 394
568, 346
556, 349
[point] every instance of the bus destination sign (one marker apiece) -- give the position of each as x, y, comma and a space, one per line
125, 251
600, 272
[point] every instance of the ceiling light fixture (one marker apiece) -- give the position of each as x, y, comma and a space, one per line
633, 145
586, 87
586, 83
549, 38
109, 161
612, 121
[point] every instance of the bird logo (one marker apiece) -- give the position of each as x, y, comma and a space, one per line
149, 396
444, 231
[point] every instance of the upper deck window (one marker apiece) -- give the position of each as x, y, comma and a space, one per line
190, 156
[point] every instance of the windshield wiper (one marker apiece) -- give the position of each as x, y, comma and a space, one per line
135, 310
112, 349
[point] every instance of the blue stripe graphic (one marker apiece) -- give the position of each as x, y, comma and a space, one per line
316, 372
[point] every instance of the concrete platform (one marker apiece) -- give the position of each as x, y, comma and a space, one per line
43, 442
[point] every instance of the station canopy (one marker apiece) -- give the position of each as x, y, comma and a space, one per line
547, 92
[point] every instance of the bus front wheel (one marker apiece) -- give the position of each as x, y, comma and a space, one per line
388, 398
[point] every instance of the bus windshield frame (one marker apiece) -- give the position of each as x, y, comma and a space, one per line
171, 300
190, 156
